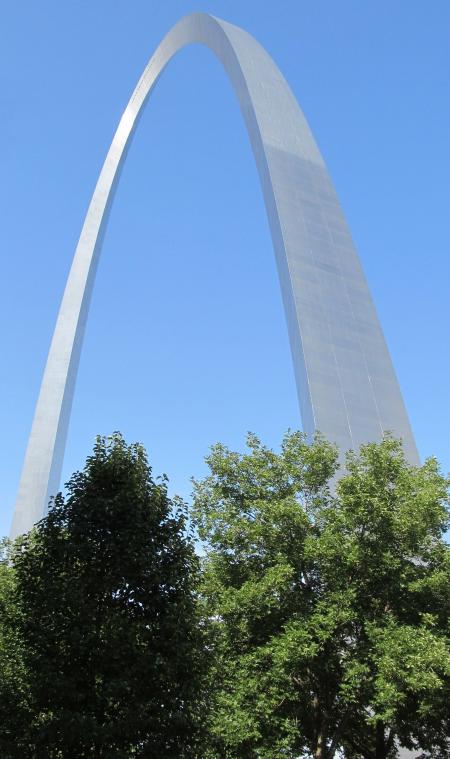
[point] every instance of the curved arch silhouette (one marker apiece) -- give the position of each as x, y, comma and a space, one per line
345, 378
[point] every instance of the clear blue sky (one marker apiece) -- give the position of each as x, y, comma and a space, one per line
186, 341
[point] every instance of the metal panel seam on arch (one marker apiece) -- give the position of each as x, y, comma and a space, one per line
346, 382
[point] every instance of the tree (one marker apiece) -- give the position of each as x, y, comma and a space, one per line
14, 682
329, 603
106, 588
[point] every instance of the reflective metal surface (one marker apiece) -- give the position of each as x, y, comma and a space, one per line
346, 382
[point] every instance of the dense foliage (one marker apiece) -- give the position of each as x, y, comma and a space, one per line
107, 617
317, 628
329, 607
15, 712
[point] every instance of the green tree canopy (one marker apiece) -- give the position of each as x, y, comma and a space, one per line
14, 686
329, 603
106, 591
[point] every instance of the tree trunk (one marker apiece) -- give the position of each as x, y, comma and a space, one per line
320, 752
380, 744
320, 747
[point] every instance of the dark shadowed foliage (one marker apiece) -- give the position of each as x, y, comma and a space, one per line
106, 589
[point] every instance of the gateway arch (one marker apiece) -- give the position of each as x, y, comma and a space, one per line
346, 382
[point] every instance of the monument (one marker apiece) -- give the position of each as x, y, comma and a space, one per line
345, 379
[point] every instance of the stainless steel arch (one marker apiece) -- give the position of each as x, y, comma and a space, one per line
345, 379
